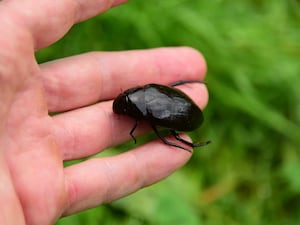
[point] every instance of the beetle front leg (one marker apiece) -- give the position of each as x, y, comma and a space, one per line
132, 130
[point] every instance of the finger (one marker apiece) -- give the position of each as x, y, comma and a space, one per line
81, 80
54, 18
85, 131
103, 180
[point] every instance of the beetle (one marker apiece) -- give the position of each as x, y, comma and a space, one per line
162, 106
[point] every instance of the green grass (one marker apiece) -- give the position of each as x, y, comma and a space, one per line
250, 172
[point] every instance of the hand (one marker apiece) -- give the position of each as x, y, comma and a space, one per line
35, 188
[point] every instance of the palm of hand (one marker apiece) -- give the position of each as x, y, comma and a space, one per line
32, 156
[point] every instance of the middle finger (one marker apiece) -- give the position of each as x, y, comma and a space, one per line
85, 79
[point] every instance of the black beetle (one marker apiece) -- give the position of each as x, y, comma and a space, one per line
162, 106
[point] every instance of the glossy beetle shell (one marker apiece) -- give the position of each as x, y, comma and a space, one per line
161, 105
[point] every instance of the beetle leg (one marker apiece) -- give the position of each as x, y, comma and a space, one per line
181, 139
173, 132
180, 82
132, 130
200, 144
168, 142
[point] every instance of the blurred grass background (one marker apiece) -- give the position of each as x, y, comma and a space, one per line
250, 174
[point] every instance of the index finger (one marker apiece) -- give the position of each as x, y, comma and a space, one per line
49, 20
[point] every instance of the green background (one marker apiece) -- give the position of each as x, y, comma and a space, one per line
250, 174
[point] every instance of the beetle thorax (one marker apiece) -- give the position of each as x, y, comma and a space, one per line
130, 103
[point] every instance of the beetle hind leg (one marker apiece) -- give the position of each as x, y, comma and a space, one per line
173, 132
168, 142
181, 82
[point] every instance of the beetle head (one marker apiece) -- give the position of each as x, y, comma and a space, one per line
120, 105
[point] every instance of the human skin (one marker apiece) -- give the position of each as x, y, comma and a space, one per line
35, 188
